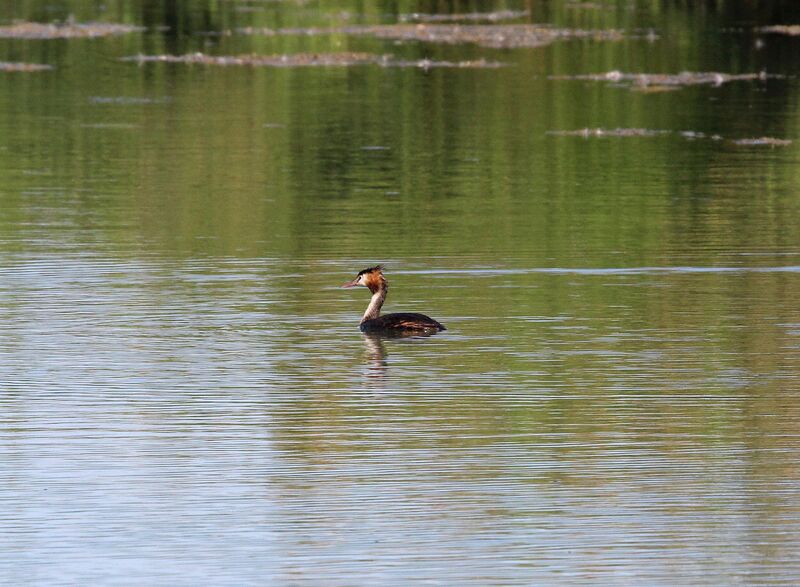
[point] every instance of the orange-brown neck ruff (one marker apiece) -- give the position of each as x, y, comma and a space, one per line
375, 281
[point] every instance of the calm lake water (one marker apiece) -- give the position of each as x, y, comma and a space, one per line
185, 396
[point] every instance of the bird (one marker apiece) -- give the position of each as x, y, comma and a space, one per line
400, 322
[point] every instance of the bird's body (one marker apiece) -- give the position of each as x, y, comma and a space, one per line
401, 321
372, 321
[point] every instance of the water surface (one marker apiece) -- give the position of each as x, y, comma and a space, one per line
184, 393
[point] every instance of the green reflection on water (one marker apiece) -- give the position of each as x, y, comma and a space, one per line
373, 163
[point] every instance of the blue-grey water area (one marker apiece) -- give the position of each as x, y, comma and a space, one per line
185, 395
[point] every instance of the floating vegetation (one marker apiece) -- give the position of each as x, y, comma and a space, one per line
109, 125
647, 132
763, 141
126, 100
24, 67
693, 135
792, 30
66, 30
588, 6
661, 81
465, 17
604, 132
495, 36
310, 60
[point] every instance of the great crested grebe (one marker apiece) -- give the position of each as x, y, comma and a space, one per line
402, 321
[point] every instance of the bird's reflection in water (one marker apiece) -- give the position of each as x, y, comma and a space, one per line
375, 351
376, 356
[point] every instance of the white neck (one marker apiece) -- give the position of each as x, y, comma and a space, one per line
374, 308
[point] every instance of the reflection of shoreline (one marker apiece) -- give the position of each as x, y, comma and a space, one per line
376, 349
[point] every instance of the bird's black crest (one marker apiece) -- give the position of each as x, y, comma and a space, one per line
370, 270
